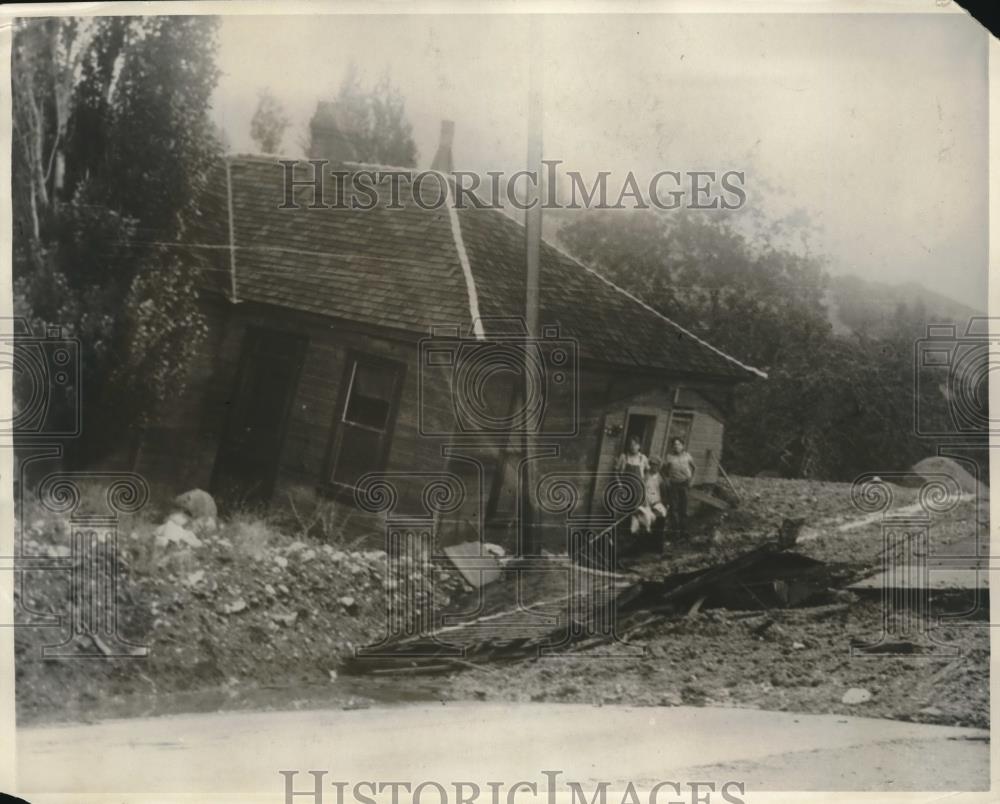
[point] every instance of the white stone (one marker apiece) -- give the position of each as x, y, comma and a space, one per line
171, 533
856, 695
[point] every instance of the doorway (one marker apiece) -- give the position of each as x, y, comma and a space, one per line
641, 426
247, 464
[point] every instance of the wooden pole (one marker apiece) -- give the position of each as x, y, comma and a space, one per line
532, 248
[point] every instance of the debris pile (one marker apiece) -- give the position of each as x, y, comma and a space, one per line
755, 610
238, 603
515, 619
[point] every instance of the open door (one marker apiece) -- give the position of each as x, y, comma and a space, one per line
246, 467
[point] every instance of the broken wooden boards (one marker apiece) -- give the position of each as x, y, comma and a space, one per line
554, 604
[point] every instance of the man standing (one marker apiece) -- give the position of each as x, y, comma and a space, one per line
680, 468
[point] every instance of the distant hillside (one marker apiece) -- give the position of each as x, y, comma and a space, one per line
854, 304
876, 308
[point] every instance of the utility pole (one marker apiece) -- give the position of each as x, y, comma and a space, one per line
531, 543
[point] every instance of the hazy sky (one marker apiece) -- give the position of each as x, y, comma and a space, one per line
875, 125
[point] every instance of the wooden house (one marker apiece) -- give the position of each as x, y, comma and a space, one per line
327, 358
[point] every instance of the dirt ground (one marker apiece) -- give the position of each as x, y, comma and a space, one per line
781, 660
796, 659
255, 618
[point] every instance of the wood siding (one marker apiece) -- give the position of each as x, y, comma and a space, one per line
585, 416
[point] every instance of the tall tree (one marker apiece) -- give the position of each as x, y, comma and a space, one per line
832, 406
711, 276
267, 128
112, 140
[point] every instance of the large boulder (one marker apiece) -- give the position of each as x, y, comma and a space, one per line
200, 506
197, 504
939, 465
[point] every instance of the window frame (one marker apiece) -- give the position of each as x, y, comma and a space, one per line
683, 413
341, 423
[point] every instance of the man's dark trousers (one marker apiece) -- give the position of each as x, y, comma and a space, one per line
677, 494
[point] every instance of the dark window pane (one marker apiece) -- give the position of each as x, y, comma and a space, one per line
680, 427
367, 412
370, 401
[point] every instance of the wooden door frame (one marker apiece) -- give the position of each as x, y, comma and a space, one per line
647, 411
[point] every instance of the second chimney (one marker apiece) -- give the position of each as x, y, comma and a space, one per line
443, 161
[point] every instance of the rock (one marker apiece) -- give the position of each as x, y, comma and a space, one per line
197, 504
333, 675
931, 468
285, 619
798, 646
205, 525
194, 578
348, 603
775, 633
843, 596
235, 607
669, 698
281, 561
170, 532
856, 695
933, 711
808, 534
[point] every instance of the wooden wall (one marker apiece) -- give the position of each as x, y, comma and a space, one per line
584, 417
186, 439
605, 398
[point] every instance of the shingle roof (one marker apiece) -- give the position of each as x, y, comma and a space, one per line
402, 268
395, 268
607, 322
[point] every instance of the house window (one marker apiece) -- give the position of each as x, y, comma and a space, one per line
367, 415
681, 422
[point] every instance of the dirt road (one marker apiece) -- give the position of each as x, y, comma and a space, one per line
232, 755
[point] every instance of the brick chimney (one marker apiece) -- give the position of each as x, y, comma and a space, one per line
442, 159
327, 129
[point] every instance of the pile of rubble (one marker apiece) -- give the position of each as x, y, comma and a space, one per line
755, 610
217, 603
